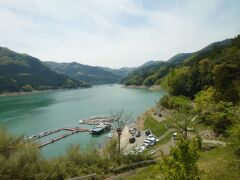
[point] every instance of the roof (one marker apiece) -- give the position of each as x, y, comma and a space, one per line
97, 129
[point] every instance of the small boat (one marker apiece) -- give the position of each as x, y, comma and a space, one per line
43, 133
110, 135
31, 137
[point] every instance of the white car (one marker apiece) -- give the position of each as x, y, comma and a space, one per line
152, 136
146, 141
141, 149
146, 145
151, 139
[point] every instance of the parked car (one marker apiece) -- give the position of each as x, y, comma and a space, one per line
151, 139
174, 136
132, 140
138, 134
147, 132
132, 131
141, 149
151, 136
146, 145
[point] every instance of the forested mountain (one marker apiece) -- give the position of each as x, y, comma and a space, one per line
123, 72
90, 74
21, 72
139, 76
216, 65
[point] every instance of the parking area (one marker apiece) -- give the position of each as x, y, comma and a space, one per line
138, 141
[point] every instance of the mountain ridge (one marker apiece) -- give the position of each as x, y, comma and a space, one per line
91, 74
22, 72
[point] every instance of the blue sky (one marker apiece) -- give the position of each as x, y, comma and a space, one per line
115, 33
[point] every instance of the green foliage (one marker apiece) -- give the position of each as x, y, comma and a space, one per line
150, 172
20, 72
23, 161
217, 65
182, 162
111, 149
234, 138
8, 142
135, 157
182, 122
157, 128
205, 97
219, 115
219, 163
146, 75
178, 82
175, 102
89, 74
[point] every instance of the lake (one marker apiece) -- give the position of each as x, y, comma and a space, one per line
33, 113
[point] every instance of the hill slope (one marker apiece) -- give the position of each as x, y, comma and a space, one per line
90, 74
218, 64
21, 72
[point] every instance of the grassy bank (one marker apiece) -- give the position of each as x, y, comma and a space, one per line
220, 163
157, 128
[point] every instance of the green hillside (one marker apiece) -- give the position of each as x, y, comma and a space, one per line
90, 74
216, 65
143, 74
21, 72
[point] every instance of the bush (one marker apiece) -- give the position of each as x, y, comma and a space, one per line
182, 161
136, 157
175, 102
157, 128
234, 138
23, 161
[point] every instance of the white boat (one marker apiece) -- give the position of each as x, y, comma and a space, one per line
110, 135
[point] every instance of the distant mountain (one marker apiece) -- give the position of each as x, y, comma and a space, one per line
21, 72
90, 74
138, 76
124, 71
217, 65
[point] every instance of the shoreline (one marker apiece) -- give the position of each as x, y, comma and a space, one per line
154, 87
7, 94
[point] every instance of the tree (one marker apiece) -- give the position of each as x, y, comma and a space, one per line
120, 119
234, 139
234, 133
182, 123
181, 164
178, 82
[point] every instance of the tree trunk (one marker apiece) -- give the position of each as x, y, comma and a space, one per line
119, 144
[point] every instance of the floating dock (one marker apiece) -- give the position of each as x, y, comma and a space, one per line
71, 131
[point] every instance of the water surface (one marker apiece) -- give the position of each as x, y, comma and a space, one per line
33, 113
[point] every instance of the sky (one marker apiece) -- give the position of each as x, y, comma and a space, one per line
115, 33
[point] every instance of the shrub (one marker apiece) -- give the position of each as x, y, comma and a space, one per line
175, 102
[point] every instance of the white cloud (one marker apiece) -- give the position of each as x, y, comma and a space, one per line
114, 33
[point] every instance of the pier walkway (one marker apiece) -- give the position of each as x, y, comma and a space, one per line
71, 131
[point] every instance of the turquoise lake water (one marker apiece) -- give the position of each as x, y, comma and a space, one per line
33, 113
